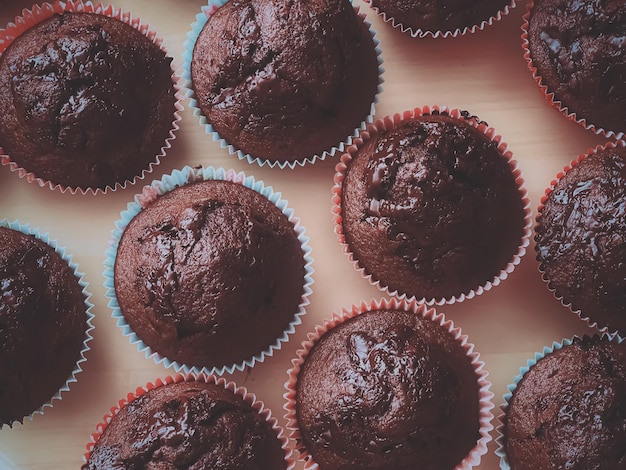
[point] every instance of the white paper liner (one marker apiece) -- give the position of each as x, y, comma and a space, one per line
485, 395
250, 398
500, 451
192, 36
566, 303
549, 96
36, 15
169, 182
389, 122
422, 33
89, 316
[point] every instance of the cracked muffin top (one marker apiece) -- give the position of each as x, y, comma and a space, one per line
87, 100
579, 51
431, 208
387, 389
209, 274
189, 425
568, 411
284, 80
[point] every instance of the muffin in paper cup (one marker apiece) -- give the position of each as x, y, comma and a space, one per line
584, 87
575, 393
234, 399
451, 24
429, 204
351, 414
579, 237
119, 112
59, 354
250, 273
261, 115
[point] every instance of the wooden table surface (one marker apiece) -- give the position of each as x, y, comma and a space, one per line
483, 73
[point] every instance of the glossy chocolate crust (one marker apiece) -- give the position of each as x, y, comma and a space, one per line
285, 80
440, 15
431, 208
86, 100
579, 50
188, 426
210, 274
42, 323
569, 412
388, 389
581, 238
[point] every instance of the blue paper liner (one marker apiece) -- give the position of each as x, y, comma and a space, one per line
500, 451
89, 316
192, 36
168, 183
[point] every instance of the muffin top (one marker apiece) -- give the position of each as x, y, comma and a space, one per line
209, 274
568, 410
284, 80
581, 238
579, 50
89, 101
188, 425
440, 15
42, 323
388, 389
431, 207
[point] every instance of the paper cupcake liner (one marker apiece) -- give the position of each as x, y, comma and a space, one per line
250, 398
423, 33
192, 36
547, 94
89, 316
500, 450
485, 395
39, 13
590, 323
390, 122
182, 177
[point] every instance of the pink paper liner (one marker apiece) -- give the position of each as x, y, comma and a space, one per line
388, 122
89, 317
500, 423
249, 397
485, 395
39, 13
590, 323
422, 33
192, 36
549, 96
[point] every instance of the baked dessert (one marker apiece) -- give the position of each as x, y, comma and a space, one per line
209, 274
285, 81
568, 410
387, 389
581, 237
437, 16
577, 49
42, 324
430, 206
89, 100
190, 425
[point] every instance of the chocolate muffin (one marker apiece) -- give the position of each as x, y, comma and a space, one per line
578, 49
430, 207
387, 389
285, 81
568, 411
42, 323
209, 274
188, 425
440, 15
87, 101
581, 238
